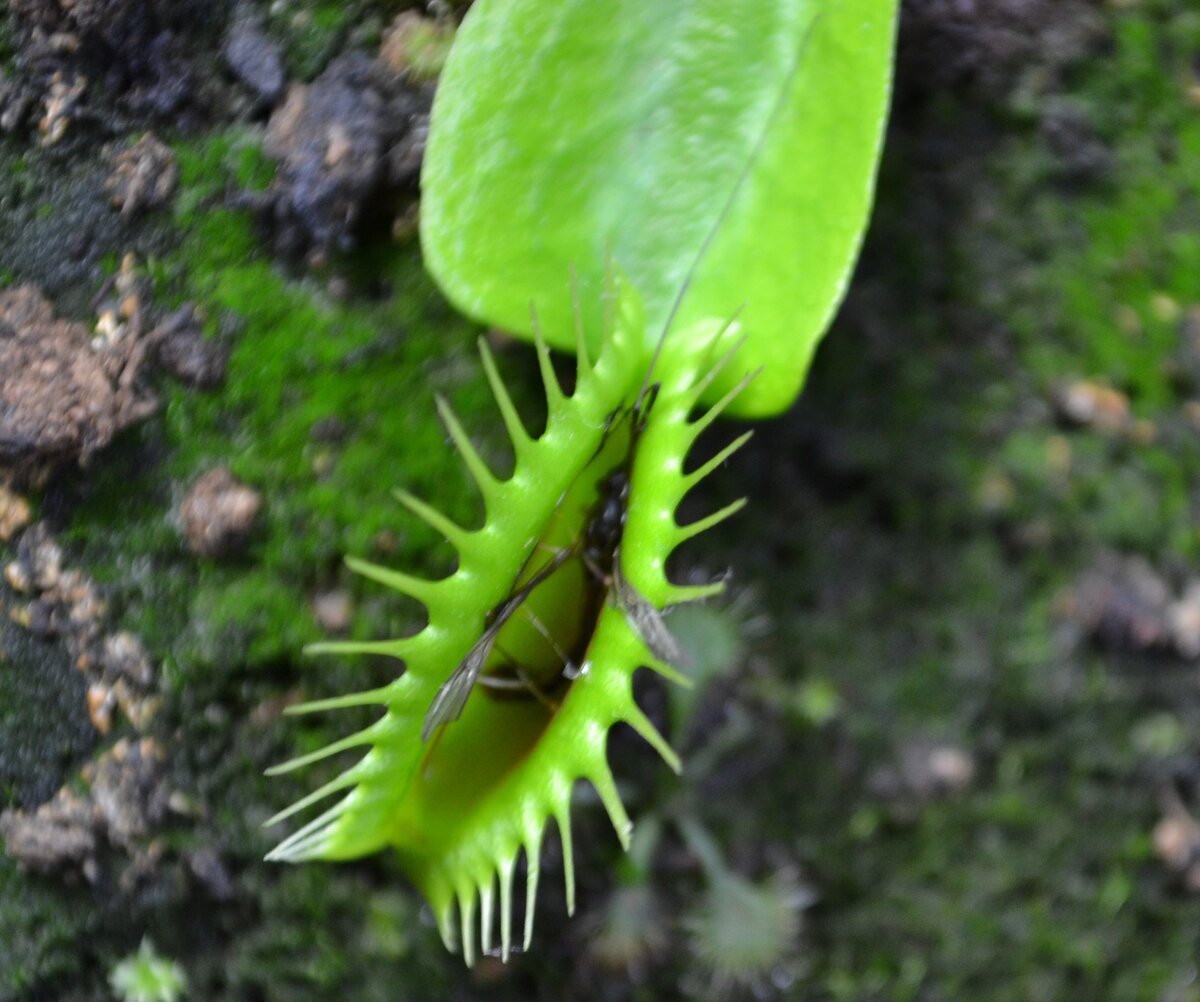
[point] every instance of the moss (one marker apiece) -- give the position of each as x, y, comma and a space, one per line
43, 941
299, 358
314, 31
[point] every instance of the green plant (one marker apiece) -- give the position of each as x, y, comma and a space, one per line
146, 977
680, 141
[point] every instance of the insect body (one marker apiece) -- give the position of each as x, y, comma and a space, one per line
599, 548
448, 704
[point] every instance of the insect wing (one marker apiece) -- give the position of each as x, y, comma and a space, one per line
447, 705
647, 621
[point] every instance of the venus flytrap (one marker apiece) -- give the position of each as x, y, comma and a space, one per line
725, 162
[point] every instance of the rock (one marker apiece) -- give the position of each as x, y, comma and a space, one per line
68, 604
1183, 621
185, 353
333, 610
339, 143
126, 800
127, 789
416, 46
90, 58
208, 868
328, 139
923, 771
1176, 841
59, 834
219, 513
144, 176
15, 513
1093, 405
40, 557
123, 656
255, 59
1121, 604
61, 398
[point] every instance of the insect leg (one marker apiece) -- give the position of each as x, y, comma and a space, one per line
536, 622
646, 621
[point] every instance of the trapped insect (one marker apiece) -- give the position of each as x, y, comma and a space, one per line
599, 549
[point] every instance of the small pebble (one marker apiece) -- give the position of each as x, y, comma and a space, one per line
219, 513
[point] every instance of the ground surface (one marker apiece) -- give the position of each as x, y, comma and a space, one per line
966, 743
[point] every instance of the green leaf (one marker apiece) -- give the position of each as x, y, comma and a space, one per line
734, 144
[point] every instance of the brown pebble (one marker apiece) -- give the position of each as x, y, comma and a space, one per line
332, 610
1093, 405
144, 176
15, 513
100, 705
219, 513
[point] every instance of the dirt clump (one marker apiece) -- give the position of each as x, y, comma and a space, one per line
922, 772
416, 46
63, 397
1124, 604
60, 834
68, 604
144, 176
255, 60
125, 800
347, 139
219, 513
15, 513
183, 351
81, 58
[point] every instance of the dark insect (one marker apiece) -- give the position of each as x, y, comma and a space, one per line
599, 548
448, 704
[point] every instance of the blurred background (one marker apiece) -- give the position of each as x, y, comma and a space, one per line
945, 743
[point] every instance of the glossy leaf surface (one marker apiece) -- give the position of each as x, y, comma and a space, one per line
725, 149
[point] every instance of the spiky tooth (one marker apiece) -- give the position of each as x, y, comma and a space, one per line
458, 537
446, 926
504, 868
533, 853
466, 914
346, 779
715, 411
371, 697
562, 817
295, 846
554, 394
517, 431
702, 471
601, 778
487, 900
669, 672
679, 594
422, 589
388, 648
356, 740
685, 532
653, 736
481, 473
701, 385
